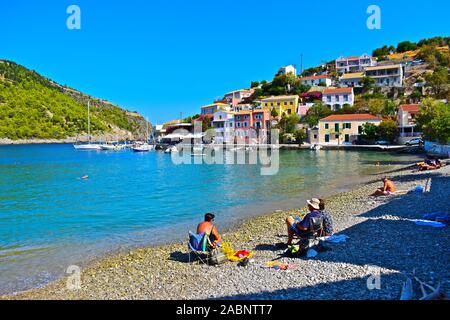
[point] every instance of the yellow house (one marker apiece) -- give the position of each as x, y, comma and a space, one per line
282, 104
343, 128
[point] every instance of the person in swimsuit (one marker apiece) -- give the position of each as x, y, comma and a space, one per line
209, 229
387, 190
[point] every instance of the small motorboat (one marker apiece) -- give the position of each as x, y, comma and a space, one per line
316, 147
87, 147
143, 148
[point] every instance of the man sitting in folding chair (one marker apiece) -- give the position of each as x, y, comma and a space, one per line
310, 227
206, 239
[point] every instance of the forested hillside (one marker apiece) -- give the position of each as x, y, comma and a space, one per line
34, 107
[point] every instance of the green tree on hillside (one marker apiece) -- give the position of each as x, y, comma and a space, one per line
318, 111
406, 46
433, 120
369, 132
274, 113
383, 51
387, 130
367, 84
439, 82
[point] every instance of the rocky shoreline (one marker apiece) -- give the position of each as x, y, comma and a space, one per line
69, 140
383, 241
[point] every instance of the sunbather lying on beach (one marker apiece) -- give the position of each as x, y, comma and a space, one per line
387, 190
302, 227
430, 163
208, 228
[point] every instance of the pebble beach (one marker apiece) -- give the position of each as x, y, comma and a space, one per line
383, 242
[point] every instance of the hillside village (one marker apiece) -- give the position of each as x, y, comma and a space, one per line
359, 99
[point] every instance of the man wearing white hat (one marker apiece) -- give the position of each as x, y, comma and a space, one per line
302, 227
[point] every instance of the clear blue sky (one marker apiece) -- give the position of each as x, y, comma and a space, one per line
165, 57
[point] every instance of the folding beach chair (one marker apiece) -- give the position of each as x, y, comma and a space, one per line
199, 245
306, 239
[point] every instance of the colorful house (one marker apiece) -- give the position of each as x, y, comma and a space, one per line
406, 119
321, 80
252, 124
235, 97
386, 76
284, 105
223, 123
351, 79
343, 128
337, 98
288, 69
355, 63
213, 108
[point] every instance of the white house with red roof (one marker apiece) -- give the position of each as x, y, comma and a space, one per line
324, 80
406, 120
341, 129
337, 98
354, 63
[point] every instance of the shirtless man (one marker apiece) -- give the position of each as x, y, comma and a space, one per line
208, 228
387, 190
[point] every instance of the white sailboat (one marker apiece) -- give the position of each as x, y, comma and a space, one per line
89, 145
145, 147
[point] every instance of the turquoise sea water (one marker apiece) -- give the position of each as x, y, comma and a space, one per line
50, 219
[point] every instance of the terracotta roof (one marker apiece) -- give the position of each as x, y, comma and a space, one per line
323, 76
351, 117
338, 90
410, 107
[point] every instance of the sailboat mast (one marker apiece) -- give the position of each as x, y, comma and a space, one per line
89, 121
146, 121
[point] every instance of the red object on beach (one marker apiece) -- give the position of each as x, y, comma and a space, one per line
242, 254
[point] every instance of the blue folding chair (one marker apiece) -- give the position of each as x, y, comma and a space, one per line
200, 245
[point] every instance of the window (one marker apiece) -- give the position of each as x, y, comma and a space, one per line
289, 111
336, 136
329, 98
337, 97
291, 103
285, 103
347, 125
346, 97
238, 124
327, 126
347, 138
360, 129
315, 136
278, 104
238, 117
246, 124
327, 138
336, 127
